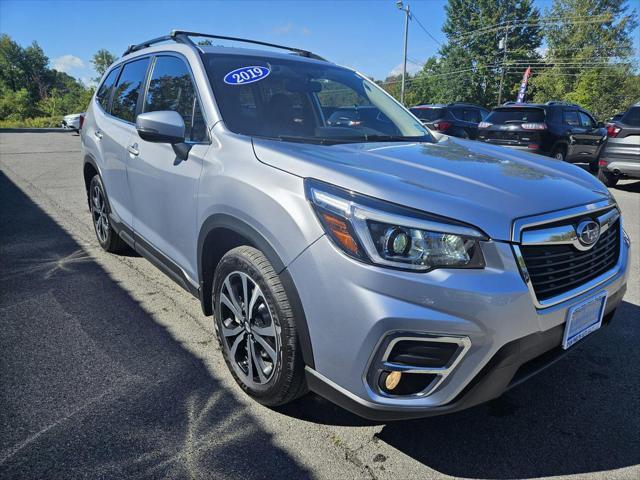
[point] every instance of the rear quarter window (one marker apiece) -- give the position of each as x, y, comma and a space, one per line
516, 115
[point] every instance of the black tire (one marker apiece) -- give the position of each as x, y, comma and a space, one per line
560, 153
108, 239
285, 380
607, 178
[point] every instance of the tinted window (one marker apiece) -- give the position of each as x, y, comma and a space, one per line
632, 117
171, 88
586, 120
125, 95
293, 100
104, 92
516, 115
471, 115
571, 118
428, 114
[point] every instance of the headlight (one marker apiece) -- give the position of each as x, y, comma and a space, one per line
387, 234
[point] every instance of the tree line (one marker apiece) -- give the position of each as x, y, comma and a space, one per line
34, 95
580, 51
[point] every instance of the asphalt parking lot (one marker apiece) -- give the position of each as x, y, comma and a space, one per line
109, 370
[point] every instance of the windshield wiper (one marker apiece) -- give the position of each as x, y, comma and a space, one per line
387, 138
313, 140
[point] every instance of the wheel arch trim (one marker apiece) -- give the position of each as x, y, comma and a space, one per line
256, 240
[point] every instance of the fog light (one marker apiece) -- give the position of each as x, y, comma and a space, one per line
392, 380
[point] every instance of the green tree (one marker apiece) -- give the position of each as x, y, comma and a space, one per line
472, 60
590, 56
101, 61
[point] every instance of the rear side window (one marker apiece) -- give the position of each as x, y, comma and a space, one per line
570, 117
125, 95
632, 117
171, 88
428, 114
516, 115
104, 92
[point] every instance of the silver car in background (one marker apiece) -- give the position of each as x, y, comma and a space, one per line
396, 274
73, 121
621, 155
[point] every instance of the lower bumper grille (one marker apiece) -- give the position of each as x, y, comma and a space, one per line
556, 269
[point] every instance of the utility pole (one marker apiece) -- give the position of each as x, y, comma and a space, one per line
407, 13
504, 62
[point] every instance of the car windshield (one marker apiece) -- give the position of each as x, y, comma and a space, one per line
428, 114
298, 100
516, 115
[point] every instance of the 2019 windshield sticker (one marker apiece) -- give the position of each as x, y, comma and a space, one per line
243, 75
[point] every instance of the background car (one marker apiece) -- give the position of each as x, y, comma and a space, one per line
73, 121
561, 130
621, 155
455, 119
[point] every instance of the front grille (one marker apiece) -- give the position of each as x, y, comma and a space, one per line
556, 269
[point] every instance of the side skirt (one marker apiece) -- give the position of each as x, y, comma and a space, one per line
161, 261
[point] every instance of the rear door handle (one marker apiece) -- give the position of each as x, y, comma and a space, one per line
98, 134
133, 150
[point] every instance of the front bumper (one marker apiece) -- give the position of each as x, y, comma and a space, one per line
351, 306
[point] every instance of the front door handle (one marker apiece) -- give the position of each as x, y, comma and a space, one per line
133, 150
98, 134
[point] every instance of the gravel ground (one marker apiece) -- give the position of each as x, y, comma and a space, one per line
109, 370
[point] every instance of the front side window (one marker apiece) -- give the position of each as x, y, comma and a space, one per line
586, 120
571, 118
104, 92
297, 100
125, 95
171, 88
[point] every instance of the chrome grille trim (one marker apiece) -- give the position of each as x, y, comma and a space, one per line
559, 235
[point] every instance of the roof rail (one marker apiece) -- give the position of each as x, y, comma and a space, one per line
561, 102
182, 36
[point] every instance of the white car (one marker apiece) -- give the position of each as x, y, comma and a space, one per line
73, 121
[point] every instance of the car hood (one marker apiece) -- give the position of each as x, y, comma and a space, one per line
479, 184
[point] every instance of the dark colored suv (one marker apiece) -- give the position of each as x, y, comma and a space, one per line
455, 119
561, 130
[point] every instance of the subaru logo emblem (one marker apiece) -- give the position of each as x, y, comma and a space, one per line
588, 233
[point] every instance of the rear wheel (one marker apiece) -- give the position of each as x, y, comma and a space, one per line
559, 153
256, 328
607, 178
106, 235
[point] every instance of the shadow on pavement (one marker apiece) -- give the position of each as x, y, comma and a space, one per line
92, 386
580, 415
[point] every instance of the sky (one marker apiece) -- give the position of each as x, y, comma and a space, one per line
366, 35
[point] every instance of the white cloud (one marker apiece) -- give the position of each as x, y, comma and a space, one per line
412, 68
67, 63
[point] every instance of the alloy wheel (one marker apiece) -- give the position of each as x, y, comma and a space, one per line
248, 329
99, 213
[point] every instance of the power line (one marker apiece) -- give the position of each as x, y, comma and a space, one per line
425, 30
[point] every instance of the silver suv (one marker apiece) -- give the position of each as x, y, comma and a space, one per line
396, 274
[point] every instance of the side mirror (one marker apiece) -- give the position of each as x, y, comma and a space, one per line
164, 127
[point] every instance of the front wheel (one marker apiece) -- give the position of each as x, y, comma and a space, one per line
256, 328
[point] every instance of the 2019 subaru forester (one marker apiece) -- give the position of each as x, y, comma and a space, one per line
396, 275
